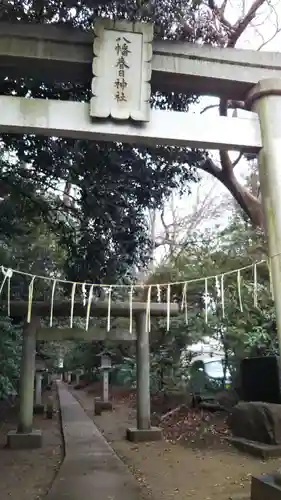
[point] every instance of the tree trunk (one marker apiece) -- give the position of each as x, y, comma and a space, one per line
245, 199
249, 203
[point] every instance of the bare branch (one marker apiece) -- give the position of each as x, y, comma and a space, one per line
206, 206
230, 105
239, 157
265, 42
223, 7
226, 164
243, 23
220, 14
208, 107
209, 166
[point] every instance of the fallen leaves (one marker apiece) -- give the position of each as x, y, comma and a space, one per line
179, 422
194, 425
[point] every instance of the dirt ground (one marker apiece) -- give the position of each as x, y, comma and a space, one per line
28, 474
203, 468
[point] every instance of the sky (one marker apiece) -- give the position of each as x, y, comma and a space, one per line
264, 28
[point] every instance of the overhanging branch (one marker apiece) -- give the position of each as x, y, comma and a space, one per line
243, 23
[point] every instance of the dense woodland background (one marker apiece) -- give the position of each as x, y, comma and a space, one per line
84, 210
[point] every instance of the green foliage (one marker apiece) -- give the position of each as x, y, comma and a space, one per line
247, 332
35, 249
125, 373
240, 333
103, 233
10, 355
83, 355
100, 234
102, 227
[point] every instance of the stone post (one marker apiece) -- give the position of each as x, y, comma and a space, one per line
104, 403
38, 406
69, 377
265, 99
25, 436
27, 379
38, 388
143, 374
105, 377
144, 431
77, 378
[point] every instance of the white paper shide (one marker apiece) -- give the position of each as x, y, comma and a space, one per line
121, 70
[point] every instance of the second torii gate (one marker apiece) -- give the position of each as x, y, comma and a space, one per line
25, 436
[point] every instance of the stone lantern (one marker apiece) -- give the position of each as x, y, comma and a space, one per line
105, 366
78, 374
40, 368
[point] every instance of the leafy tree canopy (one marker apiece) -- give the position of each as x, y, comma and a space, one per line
93, 195
243, 326
10, 354
105, 188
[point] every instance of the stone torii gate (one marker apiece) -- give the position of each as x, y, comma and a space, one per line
119, 109
27, 437
67, 54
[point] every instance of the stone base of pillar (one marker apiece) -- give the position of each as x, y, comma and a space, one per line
265, 487
144, 435
38, 409
101, 405
24, 441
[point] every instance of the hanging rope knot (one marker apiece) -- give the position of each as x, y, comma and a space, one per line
52, 302
168, 307
222, 296
30, 298
183, 306
131, 293
72, 303
255, 286
8, 273
109, 291
158, 293
84, 294
90, 298
206, 297
147, 315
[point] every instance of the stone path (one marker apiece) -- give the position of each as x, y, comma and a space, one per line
90, 467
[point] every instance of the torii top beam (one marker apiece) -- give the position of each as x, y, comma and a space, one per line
62, 53
98, 309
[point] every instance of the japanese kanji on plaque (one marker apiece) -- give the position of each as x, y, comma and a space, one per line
121, 70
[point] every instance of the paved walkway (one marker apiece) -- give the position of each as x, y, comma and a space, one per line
91, 469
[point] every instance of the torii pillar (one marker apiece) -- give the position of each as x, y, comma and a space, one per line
25, 436
143, 431
265, 99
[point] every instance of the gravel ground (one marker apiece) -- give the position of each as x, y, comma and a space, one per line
28, 474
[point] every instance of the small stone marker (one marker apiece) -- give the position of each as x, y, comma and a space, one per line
50, 408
